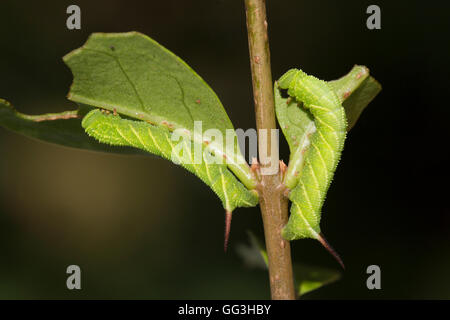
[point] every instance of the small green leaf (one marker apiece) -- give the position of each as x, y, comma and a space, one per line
137, 77
347, 84
356, 89
310, 278
307, 278
253, 254
60, 128
356, 103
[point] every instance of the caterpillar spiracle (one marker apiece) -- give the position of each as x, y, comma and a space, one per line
320, 158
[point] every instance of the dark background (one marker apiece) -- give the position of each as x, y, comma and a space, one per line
116, 216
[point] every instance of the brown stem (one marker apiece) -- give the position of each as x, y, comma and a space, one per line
274, 206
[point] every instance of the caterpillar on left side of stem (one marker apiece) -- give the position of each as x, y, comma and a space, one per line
113, 130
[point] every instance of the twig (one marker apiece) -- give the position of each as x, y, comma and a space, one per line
274, 205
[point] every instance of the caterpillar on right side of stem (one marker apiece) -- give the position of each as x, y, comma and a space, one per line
319, 156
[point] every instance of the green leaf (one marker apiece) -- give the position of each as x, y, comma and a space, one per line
159, 140
61, 128
347, 84
135, 76
357, 89
310, 278
356, 103
254, 254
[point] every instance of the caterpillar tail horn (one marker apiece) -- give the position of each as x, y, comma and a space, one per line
330, 249
228, 216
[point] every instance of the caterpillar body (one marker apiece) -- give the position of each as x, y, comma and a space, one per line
321, 156
114, 130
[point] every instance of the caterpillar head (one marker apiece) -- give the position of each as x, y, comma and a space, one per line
291, 75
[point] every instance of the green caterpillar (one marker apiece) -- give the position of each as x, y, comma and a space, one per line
316, 159
112, 129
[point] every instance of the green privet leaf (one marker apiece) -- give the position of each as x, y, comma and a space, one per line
133, 75
307, 278
159, 140
356, 89
253, 254
310, 278
61, 128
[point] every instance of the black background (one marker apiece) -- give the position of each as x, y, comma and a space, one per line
142, 228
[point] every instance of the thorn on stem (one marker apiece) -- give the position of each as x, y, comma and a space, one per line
283, 169
228, 216
330, 249
255, 167
283, 166
255, 164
